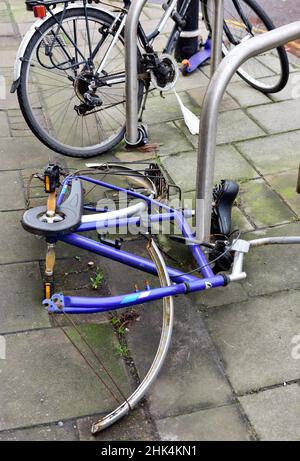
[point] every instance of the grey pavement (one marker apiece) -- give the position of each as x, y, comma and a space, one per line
233, 371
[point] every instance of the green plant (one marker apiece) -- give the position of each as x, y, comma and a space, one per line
121, 330
123, 351
97, 280
115, 321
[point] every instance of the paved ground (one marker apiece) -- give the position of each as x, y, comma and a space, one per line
233, 372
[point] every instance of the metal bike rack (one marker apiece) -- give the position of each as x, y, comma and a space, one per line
131, 39
217, 34
210, 110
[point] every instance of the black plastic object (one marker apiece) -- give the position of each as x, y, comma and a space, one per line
187, 47
70, 211
51, 178
224, 196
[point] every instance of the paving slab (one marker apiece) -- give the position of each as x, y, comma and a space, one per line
22, 246
21, 308
134, 427
246, 96
62, 431
284, 184
7, 58
4, 125
254, 339
263, 205
216, 424
264, 265
240, 221
233, 126
229, 164
290, 91
233, 293
170, 138
275, 413
271, 61
6, 29
197, 94
11, 191
197, 80
278, 117
24, 153
172, 111
191, 364
44, 379
273, 154
11, 100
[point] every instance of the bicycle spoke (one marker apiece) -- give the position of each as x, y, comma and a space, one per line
59, 80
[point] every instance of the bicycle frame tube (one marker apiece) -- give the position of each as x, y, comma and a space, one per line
170, 6
178, 218
114, 41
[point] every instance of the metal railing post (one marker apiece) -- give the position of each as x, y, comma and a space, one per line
217, 35
210, 110
131, 59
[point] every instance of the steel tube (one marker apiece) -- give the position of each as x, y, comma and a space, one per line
131, 58
209, 116
217, 35
275, 241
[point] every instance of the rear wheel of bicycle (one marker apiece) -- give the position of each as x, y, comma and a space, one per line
244, 19
56, 79
142, 333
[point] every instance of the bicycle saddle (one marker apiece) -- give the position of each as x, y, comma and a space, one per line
224, 196
66, 220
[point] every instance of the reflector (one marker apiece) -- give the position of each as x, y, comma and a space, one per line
39, 11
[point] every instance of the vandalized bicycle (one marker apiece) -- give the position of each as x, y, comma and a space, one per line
135, 201
69, 72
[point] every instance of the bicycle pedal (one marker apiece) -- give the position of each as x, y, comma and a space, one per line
224, 196
48, 287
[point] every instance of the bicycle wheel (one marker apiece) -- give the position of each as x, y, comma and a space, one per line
244, 19
123, 385
68, 107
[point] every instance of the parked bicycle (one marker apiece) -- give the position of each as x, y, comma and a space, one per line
70, 76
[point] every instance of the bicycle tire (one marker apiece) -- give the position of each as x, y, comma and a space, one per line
27, 111
282, 54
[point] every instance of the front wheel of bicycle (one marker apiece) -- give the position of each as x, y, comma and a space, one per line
244, 19
69, 107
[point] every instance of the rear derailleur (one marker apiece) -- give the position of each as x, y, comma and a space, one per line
85, 88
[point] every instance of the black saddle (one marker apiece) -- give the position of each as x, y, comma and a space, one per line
69, 212
224, 196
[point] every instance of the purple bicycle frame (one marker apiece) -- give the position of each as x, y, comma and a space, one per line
182, 283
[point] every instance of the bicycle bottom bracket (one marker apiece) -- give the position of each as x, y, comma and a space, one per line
142, 139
